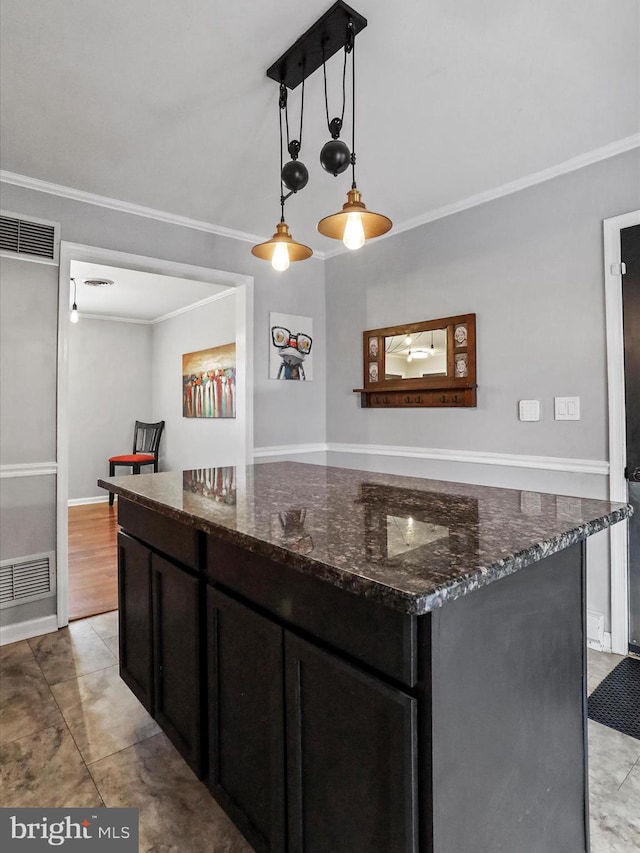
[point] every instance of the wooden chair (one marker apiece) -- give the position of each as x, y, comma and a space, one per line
146, 443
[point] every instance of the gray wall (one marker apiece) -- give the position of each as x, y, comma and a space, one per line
192, 442
28, 318
28, 335
109, 389
530, 266
29, 293
299, 291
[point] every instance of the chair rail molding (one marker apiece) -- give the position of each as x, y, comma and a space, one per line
479, 457
28, 469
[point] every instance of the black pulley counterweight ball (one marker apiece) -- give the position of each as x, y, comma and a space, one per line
295, 175
335, 157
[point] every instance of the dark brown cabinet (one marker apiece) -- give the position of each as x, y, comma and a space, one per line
246, 719
160, 643
176, 655
134, 617
326, 722
350, 741
351, 757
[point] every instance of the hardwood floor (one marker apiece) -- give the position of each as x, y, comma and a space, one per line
93, 559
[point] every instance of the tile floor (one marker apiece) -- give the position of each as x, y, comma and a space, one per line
72, 734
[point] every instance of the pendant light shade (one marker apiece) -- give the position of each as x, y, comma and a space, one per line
354, 223
281, 249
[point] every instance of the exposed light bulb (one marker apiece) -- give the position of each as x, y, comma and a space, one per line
407, 340
74, 314
353, 232
409, 357
280, 258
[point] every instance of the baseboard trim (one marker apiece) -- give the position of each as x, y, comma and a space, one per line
288, 450
99, 499
604, 646
25, 630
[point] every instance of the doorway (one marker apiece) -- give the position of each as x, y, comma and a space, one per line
618, 485
240, 286
630, 246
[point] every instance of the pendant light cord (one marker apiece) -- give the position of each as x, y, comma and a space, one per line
286, 117
347, 48
295, 145
282, 105
351, 39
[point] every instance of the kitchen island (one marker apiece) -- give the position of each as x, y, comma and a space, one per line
365, 663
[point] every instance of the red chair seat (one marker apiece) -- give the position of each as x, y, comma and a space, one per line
133, 458
146, 441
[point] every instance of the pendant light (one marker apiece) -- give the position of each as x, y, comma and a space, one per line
354, 223
74, 316
282, 249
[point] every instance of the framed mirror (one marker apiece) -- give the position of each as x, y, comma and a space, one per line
414, 356
430, 364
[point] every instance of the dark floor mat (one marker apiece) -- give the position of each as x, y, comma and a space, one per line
616, 701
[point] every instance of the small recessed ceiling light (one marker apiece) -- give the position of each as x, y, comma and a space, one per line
98, 282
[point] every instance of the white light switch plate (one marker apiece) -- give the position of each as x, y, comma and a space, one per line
529, 410
567, 408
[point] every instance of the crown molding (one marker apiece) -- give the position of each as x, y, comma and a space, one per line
620, 146
230, 291
125, 206
588, 159
112, 318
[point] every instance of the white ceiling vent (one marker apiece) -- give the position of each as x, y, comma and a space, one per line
33, 238
27, 579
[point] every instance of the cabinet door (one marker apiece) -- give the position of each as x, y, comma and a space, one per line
134, 617
177, 656
246, 720
351, 756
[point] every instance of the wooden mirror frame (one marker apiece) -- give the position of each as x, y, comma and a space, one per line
437, 390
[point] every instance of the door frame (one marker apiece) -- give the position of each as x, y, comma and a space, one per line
618, 489
243, 285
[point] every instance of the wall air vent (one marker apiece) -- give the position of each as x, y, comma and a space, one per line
31, 238
27, 579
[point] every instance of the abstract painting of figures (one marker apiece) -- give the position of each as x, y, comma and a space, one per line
209, 383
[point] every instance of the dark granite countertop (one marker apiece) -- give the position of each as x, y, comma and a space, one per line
410, 543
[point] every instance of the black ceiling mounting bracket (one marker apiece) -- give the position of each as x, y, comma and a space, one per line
322, 40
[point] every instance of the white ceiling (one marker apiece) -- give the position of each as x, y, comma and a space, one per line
167, 105
140, 296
